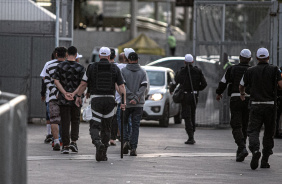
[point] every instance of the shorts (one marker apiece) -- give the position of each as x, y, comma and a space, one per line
47, 111
54, 109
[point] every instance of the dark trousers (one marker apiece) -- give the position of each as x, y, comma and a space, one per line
136, 116
189, 114
262, 115
103, 110
172, 51
239, 120
70, 116
114, 128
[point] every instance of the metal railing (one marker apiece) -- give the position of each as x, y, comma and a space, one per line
13, 123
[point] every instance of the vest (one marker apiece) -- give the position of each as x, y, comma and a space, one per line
236, 74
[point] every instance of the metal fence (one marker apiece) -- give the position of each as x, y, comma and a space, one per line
27, 40
13, 124
221, 30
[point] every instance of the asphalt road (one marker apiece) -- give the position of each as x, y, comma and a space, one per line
162, 158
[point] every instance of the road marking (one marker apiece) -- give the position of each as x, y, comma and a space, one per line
153, 155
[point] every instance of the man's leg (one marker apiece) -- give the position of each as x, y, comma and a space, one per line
65, 122
49, 135
75, 121
187, 116
126, 134
114, 129
136, 117
269, 131
55, 119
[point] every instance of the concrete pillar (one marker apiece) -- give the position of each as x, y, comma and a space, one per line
186, 20
133, 12
279, 63
157, 11
172, 13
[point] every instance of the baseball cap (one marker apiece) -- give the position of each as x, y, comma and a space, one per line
246, 53
127, 51
262, 53
133, 56
104, 51
78, 56
189, 58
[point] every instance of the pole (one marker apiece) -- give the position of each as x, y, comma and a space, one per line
121, 127
133, 25
57, 29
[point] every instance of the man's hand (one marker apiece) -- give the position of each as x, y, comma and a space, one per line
68, 96
43, 98
218, 97
122, 106
132, 102
78, 101
242, 96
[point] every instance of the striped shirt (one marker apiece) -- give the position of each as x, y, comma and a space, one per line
43, 73
50, 69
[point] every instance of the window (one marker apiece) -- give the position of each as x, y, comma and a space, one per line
156, 78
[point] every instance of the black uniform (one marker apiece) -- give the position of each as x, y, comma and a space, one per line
102, 77
262, 80
239, 109
188, 105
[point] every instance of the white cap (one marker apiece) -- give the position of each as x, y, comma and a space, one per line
78, 56
104, 51
262, 53
189, 58
127, 51
246, 53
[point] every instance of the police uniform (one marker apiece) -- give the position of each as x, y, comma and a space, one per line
188, 105
239, 109
102, 77
262, 80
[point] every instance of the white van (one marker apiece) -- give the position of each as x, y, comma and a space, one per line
95, 55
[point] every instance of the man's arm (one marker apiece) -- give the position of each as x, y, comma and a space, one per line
60, 88
122, 91
43, 90
222, 85
80, 89
142, 89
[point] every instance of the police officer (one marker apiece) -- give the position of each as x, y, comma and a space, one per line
262, 80
193, 81
102, 76
239, 109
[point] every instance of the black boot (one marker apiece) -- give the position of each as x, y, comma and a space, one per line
191, 139
255, 160
99, 150
104, 154
241, 154
264, 162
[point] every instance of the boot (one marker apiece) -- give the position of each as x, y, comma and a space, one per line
264, 162
191, 139
255, 160
104, 154
99, 150
241, 155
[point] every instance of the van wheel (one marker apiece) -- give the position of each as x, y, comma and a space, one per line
165, 117
178, 117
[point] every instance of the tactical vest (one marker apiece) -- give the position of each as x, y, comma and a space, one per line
102, 77
236, 75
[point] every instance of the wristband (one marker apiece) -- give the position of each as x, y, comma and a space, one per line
242, 93
78, 95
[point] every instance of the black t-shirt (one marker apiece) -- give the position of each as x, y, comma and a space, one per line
92, 84
69, 73
262, 80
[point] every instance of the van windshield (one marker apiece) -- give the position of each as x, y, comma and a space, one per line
156, 78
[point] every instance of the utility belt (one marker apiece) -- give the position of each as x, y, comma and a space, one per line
265, 103
238, 94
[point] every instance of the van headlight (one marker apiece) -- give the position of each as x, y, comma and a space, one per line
156, 96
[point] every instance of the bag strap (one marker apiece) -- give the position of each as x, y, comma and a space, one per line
191, 85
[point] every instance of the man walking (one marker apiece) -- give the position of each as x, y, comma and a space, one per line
54, 110
136, 82
262, 80
239, 109
67, 78
102, 77
192, 80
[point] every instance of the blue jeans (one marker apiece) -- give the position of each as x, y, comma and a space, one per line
129, 125
136, 116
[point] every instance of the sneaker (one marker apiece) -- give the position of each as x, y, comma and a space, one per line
126, 147
255, 160
264, 164
73, 147
190, 141
242, 155
48, 138
133, 152
65, 150
99, 151
57, 147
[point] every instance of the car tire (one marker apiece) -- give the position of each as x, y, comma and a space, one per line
165, 117
178, 117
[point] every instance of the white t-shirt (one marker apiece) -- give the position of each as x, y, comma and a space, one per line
118, 97
43, 74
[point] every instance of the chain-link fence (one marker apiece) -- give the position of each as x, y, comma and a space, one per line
13, 123
27, 40
221, 31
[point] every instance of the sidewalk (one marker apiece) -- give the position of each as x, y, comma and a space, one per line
162, 158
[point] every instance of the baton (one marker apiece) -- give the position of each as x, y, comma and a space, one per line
121, 127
